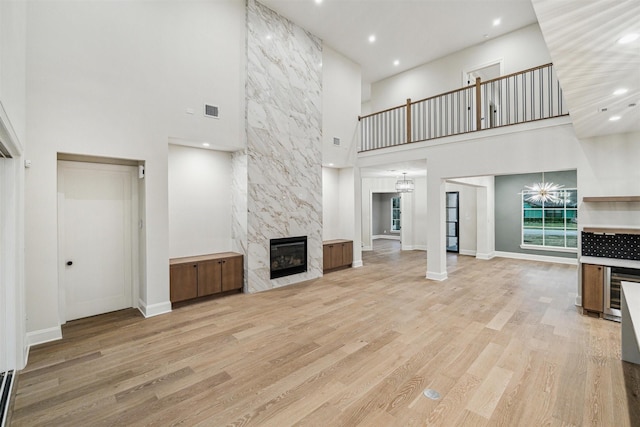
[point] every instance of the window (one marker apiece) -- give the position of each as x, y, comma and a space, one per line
395, 213
550, 224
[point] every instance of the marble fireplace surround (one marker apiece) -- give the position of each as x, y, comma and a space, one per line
278, 179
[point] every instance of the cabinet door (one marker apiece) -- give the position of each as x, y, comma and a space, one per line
347, 253
593, 287
326, 257
183, 282
336, 255
209, 274
232, 273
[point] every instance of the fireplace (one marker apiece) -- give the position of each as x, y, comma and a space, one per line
288, 256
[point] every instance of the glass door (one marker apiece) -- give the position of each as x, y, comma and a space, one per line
453, 227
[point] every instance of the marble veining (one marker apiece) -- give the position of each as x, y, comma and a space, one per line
284, 130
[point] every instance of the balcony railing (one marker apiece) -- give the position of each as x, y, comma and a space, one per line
529, 95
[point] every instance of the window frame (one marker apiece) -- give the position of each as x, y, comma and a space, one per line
543, 216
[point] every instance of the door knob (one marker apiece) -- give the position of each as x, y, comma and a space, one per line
69, 263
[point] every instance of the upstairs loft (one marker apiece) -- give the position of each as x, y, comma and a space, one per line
522, 97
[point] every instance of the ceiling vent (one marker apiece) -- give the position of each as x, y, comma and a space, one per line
336, 141
211, 111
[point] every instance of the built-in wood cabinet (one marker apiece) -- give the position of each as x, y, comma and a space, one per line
337, 254
593, 287
203, 275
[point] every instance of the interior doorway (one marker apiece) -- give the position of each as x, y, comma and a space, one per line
453, 221
97, 238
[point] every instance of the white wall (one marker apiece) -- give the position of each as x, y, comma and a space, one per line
419, 215
413, 208
611, 168
113, 79
199, 201
331, 204
341, 94
341, 97
13, 347
445, 74
12, 64
338, 207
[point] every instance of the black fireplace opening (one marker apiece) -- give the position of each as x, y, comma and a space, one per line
288, 256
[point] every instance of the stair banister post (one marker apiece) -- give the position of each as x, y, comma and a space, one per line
408, 119
478, 105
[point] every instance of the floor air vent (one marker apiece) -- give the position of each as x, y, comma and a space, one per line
6, 383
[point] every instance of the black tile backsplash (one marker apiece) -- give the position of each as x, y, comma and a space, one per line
618, 246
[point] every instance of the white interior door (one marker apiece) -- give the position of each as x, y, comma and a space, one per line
96, 212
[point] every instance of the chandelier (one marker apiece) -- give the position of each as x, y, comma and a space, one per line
543, 192
404, 185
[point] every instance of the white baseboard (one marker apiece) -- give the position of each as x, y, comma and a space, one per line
44, 335
467, 252
414, 248
367, 248
386, 236
436, 276
487, 256
578, 301
356, 264
154, 309
543, 258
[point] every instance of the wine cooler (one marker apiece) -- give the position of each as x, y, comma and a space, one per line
612, 280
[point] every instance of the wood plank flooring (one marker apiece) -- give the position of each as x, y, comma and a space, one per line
500, 340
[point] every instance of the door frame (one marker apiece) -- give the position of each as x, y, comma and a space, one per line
457, 222
134, 224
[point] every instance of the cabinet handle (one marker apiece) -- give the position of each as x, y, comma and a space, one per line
195, 265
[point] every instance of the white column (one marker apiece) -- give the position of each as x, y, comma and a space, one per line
486, 222
357, 212
406, 221
436, 244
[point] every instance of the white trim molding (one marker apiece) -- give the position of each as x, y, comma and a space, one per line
487, 256
467, 252
543, 258
414, 248
549, 248
8, 135
437, 276
356, 264
154, 309
44, 335
386, 236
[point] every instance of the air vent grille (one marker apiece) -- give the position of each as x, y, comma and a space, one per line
211, 111
336, 141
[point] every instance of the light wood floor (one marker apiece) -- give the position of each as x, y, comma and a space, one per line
500, 340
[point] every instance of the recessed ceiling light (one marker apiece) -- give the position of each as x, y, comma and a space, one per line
614, 118
205, 144
268, 36
396, 62
330, 164
496, 22
318, 1
628, 38
372, 38
620, 91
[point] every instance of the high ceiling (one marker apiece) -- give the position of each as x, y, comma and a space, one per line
413, 32
581, 36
